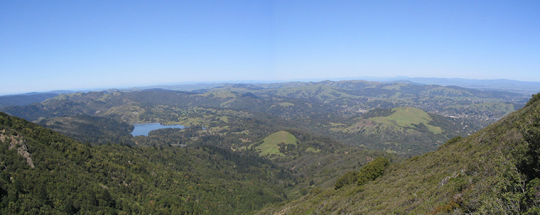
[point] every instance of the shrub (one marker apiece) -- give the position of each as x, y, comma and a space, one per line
372, 170
349, 178
534, 98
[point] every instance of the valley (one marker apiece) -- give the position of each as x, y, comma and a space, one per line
269, 107
328, 108
261, 148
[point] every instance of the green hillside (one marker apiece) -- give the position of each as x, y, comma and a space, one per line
334, 109
400, 119
92, 130
271, 145
403, 130
494, 171
350, 96
44, 172
220, 163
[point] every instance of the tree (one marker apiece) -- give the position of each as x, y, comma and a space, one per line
372, 170
349, 178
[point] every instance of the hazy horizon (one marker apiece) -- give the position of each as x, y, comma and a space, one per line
365, 78
66, 45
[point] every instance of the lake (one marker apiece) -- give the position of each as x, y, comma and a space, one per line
144, 129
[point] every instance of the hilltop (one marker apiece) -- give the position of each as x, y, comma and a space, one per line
404, 130
275, 142
25, 99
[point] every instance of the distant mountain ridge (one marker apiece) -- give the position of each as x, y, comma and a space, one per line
24, 99
314, 106
523, 87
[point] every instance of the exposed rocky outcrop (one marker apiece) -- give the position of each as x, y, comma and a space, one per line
17, 142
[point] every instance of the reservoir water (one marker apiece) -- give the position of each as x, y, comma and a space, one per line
144, 129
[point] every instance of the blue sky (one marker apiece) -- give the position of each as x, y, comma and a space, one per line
53, 45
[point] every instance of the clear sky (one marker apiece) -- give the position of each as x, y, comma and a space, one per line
53, 45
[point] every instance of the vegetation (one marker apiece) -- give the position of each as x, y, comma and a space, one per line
44, 172
372, 170
275, 142
369, 172
349, 178
91, 130
493, 171
24, 99
316, 107
406, 117
405, 130
535, 97
248, 146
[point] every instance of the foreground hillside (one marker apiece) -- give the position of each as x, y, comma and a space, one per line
44, 172
494, 171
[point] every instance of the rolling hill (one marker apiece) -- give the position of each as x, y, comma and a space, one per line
405, 130
493, 171
91, 129
272, 144
333, 109
24, 99
246, 149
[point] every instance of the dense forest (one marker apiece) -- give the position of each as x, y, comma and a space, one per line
47, 172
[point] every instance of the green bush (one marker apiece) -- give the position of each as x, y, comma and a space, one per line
535, 97
349, 178
453, 140
372, 170
369, 172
